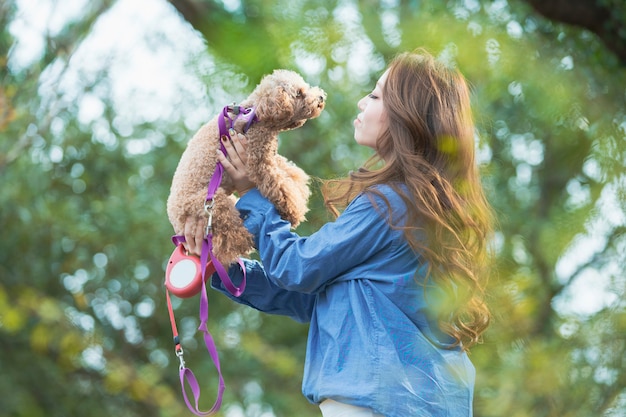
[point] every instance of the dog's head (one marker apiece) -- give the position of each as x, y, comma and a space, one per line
285, 101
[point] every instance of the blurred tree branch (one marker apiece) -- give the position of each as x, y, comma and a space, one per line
61, 46
606, 19
238, 38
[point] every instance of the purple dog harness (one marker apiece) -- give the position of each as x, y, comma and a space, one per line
225, 131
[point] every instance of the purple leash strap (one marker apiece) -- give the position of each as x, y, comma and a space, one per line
249, 116
186, 375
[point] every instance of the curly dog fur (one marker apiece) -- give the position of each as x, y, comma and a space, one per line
283, 101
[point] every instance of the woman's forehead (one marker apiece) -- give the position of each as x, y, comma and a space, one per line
381, 81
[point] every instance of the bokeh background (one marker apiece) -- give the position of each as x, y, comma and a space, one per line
98, 99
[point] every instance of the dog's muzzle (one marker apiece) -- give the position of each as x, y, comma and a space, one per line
321, 98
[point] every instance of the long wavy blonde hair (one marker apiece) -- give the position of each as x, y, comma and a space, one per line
429, 148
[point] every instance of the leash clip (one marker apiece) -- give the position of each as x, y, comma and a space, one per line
179, 354
235, 109
208, 209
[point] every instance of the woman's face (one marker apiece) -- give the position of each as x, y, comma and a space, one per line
372, 120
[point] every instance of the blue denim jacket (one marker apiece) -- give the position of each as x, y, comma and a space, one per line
371, 342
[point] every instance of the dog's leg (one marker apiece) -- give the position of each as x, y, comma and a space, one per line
230, 237
299, 191
192, 175
273, 183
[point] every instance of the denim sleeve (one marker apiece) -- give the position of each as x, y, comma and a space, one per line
309, 264
260, 293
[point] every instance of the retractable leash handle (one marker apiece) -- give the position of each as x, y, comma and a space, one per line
182, 264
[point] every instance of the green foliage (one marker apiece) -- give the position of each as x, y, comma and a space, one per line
83, 321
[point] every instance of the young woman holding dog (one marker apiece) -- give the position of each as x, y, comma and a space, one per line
394, 287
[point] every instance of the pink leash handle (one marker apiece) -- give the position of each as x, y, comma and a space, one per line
207, 250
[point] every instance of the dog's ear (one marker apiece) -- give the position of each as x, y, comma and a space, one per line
276, 105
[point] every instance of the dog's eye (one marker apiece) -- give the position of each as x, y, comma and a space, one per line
299, 93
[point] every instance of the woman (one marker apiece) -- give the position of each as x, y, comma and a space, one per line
393, 288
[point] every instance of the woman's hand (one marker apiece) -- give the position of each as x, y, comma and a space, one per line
194, 234
236, 168
235, 163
